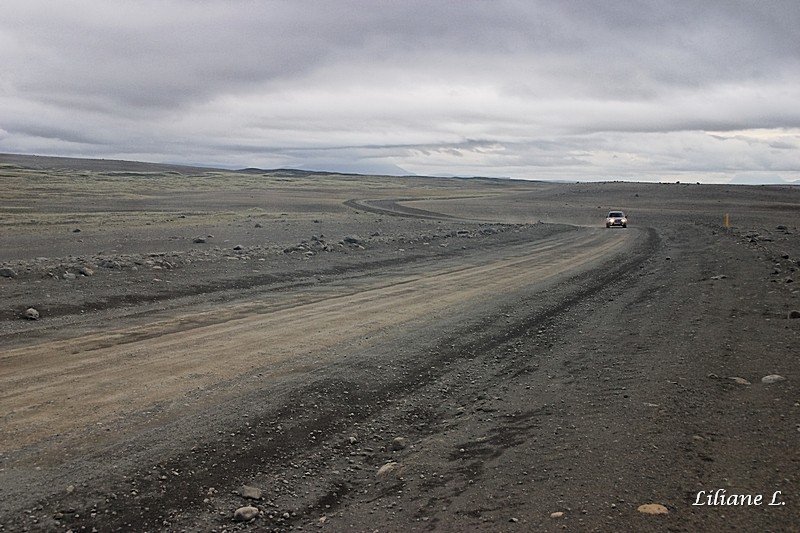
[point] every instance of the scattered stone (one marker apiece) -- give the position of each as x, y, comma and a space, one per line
8, 272
352, 239
251, 493
772, 378
653, 508
557, 514
399, 443
719, 277
31, 314
245, 514
740, 381
794, 313
390, 468
109, 263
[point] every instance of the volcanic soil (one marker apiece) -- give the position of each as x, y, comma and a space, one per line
187, 349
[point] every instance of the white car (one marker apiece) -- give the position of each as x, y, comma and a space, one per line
616, 218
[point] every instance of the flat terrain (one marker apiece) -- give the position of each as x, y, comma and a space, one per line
359, 353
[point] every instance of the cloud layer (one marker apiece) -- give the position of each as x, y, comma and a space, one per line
580, 90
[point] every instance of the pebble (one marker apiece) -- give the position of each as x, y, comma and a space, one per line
388, 469
31, 314
399, 443
652, 508
772, 378
252, 493
245, 514
557, 514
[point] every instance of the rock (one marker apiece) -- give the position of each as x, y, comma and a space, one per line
238, 247
653, 508
399, 443
69, 275
199, 240
245, 514
557, 514
252, 493
258, 225
352, 239
719, 277
772, 378
76, 230
31, 314
85, 271
7, 272
740, 381
794, 313
109, 263
390, 468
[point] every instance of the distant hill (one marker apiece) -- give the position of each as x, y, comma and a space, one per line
99, 165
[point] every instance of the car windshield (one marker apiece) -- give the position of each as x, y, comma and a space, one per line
615, 214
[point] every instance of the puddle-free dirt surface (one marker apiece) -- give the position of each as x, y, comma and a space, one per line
355, 353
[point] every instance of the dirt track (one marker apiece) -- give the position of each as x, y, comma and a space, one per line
510, 368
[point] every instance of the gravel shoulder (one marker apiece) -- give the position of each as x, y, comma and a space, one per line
394, 354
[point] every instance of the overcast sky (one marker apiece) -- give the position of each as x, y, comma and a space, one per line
648, 90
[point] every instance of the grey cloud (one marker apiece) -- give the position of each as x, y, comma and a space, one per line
472, 87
